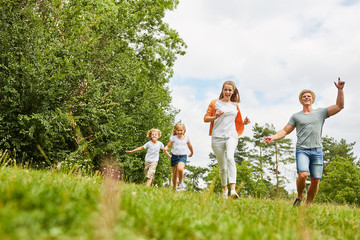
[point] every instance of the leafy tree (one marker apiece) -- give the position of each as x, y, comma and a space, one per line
333, 149
270, 156
341, 184
82, 80
261, 157
341, 179
283, 153
242, 150
193, 175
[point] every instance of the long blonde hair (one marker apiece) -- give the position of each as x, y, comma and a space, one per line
235, 97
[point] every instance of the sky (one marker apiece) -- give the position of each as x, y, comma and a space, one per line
271, 50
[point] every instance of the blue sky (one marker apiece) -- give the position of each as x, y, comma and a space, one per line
272, 50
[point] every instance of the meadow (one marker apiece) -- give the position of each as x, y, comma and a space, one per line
47, 204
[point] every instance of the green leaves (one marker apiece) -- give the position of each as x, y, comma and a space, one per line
104, 63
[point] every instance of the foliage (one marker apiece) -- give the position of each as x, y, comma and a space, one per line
341, 181
51, 205
333, 149
260, 155
242, 151
194, 174
341, 184
83, 80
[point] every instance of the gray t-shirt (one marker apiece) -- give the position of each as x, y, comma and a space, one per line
309, 127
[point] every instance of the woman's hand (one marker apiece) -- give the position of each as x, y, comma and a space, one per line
218, 113
246, 121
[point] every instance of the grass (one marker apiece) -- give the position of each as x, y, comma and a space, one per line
52, 205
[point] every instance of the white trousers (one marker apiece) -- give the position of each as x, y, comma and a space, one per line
224, 149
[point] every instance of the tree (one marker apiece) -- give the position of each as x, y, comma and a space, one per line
333, 149
261, 157
82, 80
283, 153
341, 184
341, 179
242, 150
193, 175
269, 156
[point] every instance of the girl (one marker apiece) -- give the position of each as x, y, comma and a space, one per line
152, 155
178, 154
226, 125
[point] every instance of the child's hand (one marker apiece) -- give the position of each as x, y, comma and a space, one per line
190, 155
128, 151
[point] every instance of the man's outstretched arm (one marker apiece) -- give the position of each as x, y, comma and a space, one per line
334, 109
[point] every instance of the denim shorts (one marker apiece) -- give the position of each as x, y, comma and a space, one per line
175, 159
310, 159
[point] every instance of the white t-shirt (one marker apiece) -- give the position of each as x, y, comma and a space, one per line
224, 126
152, 154
179, 146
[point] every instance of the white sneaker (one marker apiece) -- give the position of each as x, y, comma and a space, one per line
234, 194
180, 187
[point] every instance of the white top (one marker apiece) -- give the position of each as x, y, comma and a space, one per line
224, 126
179, 146
152, 154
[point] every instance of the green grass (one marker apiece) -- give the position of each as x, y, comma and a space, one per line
52, 205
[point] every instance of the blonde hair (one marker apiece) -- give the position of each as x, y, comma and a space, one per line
235, 97
178, 125
148, 134
307, 91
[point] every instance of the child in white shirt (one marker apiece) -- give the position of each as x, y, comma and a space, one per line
152, 154
181, 144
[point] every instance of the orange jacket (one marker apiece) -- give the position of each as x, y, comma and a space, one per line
238, 120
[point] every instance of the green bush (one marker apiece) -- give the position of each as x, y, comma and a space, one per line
82, 80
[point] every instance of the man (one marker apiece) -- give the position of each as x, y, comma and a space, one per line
309, 155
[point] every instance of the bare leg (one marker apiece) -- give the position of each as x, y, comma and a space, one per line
312, 191
180, 171
174, 171
148, 182
301, 183
232, 186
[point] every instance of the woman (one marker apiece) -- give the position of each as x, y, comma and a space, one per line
226, 125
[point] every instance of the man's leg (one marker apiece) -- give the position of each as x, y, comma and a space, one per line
312, 191
301, 183
316, 171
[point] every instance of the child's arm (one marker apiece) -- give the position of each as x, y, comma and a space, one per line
191, 149
166, 152
168, 146
135, 150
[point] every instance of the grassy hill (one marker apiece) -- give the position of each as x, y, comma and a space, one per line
53, 205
